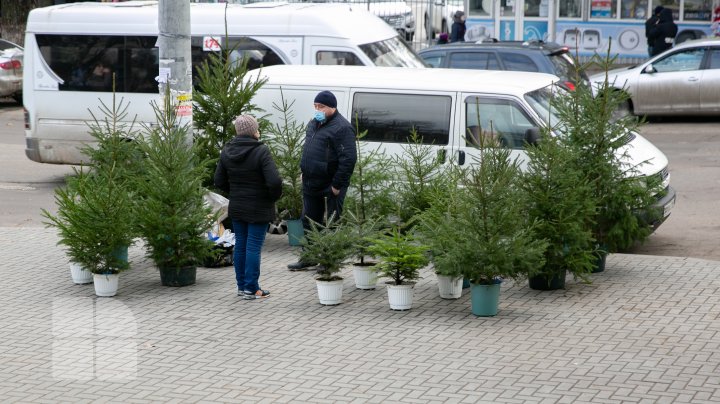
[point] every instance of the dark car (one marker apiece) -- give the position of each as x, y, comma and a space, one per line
530, 56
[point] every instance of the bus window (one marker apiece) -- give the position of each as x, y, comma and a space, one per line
257, 54
89, 62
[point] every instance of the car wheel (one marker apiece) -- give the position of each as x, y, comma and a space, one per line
18, 98
625, 109
429, 34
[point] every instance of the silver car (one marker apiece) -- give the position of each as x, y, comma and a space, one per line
11, 62
684, 80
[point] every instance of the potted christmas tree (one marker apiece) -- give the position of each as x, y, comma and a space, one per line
591, 126
95, 210
560, 201
401, 258
330, 246
172, 215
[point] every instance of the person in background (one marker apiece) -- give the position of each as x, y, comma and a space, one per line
328, 160
649, 24
457, 31
663, 33
442, 39
248, 173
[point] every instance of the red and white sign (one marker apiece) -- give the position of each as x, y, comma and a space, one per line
211, 43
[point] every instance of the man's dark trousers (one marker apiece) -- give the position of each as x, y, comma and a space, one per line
315, 205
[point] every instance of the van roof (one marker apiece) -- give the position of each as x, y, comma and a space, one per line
425, 79
269, 19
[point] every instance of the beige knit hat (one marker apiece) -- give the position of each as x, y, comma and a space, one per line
246, 125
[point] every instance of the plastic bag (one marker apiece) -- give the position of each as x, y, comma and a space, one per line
218, 203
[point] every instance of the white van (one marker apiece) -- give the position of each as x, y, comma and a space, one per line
71, 51
442, 105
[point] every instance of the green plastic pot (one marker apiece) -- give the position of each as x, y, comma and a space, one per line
295, 231
484, 299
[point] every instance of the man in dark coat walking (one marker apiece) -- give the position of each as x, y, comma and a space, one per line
328, 161
649, 24
663, 33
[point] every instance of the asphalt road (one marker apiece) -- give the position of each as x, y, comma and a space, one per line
692, 146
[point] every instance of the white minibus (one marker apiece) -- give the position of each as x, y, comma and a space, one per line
445, 106
72, 51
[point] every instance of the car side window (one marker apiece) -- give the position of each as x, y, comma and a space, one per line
434, 59
714, 61
517, 62
688, 59
392, 117
474, 60
499, 118
337, 58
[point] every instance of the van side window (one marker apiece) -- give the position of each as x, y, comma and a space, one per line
88, 63
337, 58
257, 54
499, 118
391, 117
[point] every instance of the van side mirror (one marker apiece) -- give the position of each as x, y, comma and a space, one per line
649, 69
532, 135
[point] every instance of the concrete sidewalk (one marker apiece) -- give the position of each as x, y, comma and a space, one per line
646, 330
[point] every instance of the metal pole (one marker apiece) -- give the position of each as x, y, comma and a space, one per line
552, 20
175, 57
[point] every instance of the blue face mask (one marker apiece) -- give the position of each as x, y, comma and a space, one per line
319, 116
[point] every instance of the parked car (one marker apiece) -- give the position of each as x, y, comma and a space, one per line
439, 16
529, 56
11, 63
684, 80
396, 13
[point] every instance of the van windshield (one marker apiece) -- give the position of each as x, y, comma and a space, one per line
392, 52
541, 101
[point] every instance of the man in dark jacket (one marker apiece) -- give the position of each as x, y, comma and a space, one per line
458, 29
663, 33
650, 23
248, 173
327, 162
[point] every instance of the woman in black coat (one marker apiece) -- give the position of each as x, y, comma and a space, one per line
248, 173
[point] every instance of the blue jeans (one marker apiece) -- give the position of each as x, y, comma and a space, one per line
249, 239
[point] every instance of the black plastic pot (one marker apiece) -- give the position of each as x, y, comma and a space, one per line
600, 262
545, 282
178, 276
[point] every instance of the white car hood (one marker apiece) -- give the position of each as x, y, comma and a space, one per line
644, 156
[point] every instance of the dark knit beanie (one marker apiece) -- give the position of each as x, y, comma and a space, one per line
246, 125
657, 10
326, 98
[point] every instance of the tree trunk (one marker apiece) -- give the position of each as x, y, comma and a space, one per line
13, 18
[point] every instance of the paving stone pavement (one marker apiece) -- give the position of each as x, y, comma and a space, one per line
645, 331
